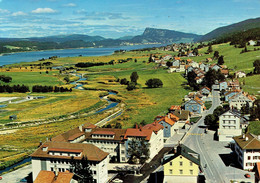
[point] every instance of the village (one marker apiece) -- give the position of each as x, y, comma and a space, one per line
166, 145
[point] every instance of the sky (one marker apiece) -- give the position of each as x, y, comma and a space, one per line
118, 18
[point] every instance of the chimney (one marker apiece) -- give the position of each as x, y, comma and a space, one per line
246, 138
56, 170
169, 115
243, 136
81, 128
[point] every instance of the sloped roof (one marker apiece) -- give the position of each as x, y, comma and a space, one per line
69, 135
118, 133
167, 120
136, 132
45, 177
182, 114
155, 126
90, 151
187, 153
252, 142
64, 177
175, 107
205, 88
91, 126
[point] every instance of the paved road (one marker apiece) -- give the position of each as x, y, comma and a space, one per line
194, 141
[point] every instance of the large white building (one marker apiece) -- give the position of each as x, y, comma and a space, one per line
239, 100
247, 149
230, 125
56, 156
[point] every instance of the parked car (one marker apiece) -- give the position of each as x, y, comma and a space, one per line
247, 175
1, 178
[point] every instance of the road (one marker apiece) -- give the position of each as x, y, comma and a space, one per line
195, 142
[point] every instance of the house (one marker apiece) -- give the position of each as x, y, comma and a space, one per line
56, 156
13, 117
188, 69
167, 57
240, 74
239, 100
181, 68
194, 106
194, 64
215, 67
234, 85
151, 136
247, 149
172, 69
183, 166
204, 67
225, 72
252, 43
170, 126
176, 63
174, 107
223, 85
56, 177
229, 94
229, 126
199, 79
205, 91
183, 115
257, 172
109, 140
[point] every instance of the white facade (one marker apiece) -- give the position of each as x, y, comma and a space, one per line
229, 126
99, 169
156, 143
239, 100
247, 158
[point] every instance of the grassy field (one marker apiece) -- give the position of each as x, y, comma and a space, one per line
254, 127
232, 57
252, 84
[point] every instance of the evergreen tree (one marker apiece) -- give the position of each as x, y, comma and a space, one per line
82, 169
221, 60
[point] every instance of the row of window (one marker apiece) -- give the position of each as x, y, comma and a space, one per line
67, 162
102, 136
181, 163
229, 121
250, 164
254, 157
101, 142
180, 172
64, 154
229, 127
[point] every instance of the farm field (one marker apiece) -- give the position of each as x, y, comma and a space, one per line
252, 84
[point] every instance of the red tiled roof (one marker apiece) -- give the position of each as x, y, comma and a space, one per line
91, 126
118, 133
177, 58
45, 177
133, 132
167, 120
155, 126
64, 177
175, 107
74, 136
224, 71
101, 132
206, 88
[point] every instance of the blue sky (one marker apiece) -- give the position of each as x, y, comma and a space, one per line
117, 18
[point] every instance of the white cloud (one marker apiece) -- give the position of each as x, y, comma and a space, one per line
3, 11
19, 13
43, 10
70, 5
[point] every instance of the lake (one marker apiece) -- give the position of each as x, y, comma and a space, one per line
36, 55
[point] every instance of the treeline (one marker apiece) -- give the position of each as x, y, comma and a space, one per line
240, 38
14, 88
46, 89
111, 62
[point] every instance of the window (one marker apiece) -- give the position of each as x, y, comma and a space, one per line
170, 171
52, 169
94, 172
170, 163
191, 163
123, 159
181, 163
249, 158
191, 172
181, 172
122, 151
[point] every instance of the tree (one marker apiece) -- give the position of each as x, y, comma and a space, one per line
154, 83
138, 150
216, 55
191, 80
150, 59
82, 169
210, 78
134, 77
131, 86
124, 81
221, 60
169, 64
256, 64
210, 49
210, 120
195, 51
135, 60
67, 79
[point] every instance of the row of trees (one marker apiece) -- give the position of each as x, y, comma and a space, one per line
45, 89
14, 88
212, 119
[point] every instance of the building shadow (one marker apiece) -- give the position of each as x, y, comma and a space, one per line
230, 160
